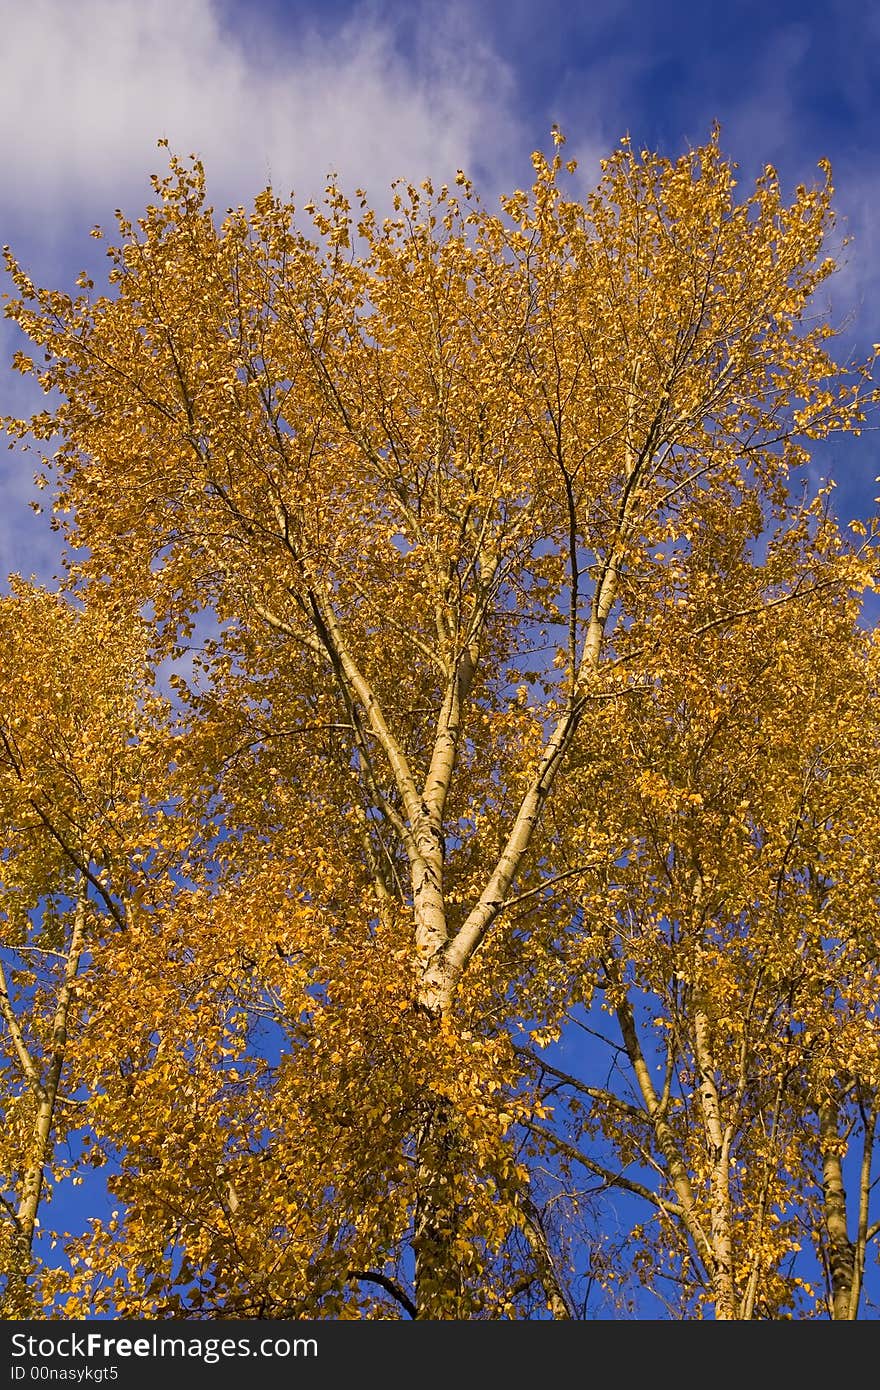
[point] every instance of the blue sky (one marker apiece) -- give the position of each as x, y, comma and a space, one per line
283, 91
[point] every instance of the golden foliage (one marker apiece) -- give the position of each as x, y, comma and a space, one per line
445, 663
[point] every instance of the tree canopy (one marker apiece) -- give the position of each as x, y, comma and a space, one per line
441, 802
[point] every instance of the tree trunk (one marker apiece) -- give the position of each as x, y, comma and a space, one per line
841, 1252
45, 1089
718, 1136
440, 1286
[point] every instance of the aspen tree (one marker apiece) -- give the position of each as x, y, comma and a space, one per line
514, 680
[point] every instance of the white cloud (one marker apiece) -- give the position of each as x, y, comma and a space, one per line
90, 87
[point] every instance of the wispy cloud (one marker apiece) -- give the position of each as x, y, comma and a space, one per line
90, 87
